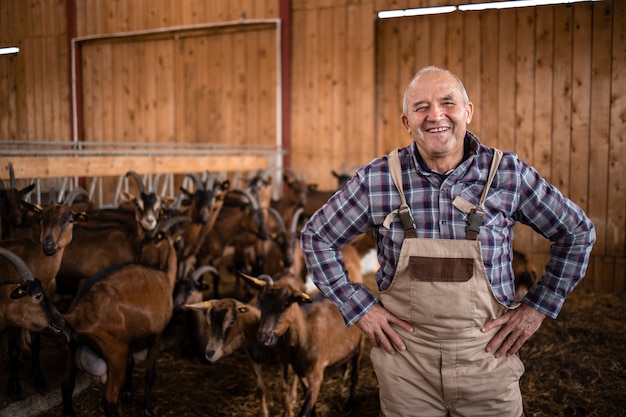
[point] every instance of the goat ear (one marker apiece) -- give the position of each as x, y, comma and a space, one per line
26, 190
126, 197
168, 200
81, 216
304, 298
35, 208
205, 305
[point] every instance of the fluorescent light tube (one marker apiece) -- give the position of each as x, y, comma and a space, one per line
515, 3
416, 12
9, 50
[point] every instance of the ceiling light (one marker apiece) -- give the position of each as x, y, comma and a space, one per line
415, 12
516, 3
9, 50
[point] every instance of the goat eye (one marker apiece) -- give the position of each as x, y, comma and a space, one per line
19, 292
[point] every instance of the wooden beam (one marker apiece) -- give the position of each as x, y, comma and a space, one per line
95, 166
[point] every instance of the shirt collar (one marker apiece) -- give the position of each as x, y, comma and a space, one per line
470, 146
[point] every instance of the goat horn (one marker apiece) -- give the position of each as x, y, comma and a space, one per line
196, 180
262, 281
140, 184
18, 263
253, 202
195, 275
52, 196
267, 279
279, 219
72, 195
155, 183
12, 176
167, 224
292, 172
210, 180
295, 218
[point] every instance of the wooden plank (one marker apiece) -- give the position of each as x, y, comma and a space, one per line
439, 31
542, 100
524, 94
243, 56
562, 98
266, 85
298, 97
489, 79
118, 93
581, 105
524, 77
93, 166
340, 49
323, 111
91, 125
166, 95
454, 44
389, 134
506, 91
150, 87
366, 76
107, 97
472, 48
600, 113
616, 212
310, 78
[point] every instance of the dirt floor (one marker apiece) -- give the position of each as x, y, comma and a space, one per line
575, 366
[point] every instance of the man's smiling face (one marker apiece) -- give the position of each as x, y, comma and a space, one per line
437, 117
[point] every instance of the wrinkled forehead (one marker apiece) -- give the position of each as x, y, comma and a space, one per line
434, 85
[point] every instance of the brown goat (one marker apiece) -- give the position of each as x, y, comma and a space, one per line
229, 325
240, 221
309, 339
109, 237
116, 313
43, 259
525, 274
23, 302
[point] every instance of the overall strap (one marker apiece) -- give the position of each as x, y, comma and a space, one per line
404, 212
477, 213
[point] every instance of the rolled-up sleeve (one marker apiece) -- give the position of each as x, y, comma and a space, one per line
337, 223
544, 208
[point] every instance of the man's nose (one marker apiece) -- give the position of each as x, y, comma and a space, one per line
435, 112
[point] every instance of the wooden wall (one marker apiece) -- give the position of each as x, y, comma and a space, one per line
548, 83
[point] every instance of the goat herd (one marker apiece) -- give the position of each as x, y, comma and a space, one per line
129, 271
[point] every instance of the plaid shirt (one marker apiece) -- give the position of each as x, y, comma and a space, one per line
517, 193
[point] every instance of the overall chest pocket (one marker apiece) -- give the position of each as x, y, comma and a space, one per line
427, 269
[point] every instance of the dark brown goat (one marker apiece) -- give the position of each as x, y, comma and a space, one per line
23, 302
310, 339
118, 312
13, 215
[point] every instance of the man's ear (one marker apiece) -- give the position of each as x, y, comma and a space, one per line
470, 112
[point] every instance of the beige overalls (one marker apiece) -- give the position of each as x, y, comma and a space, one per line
441, 288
